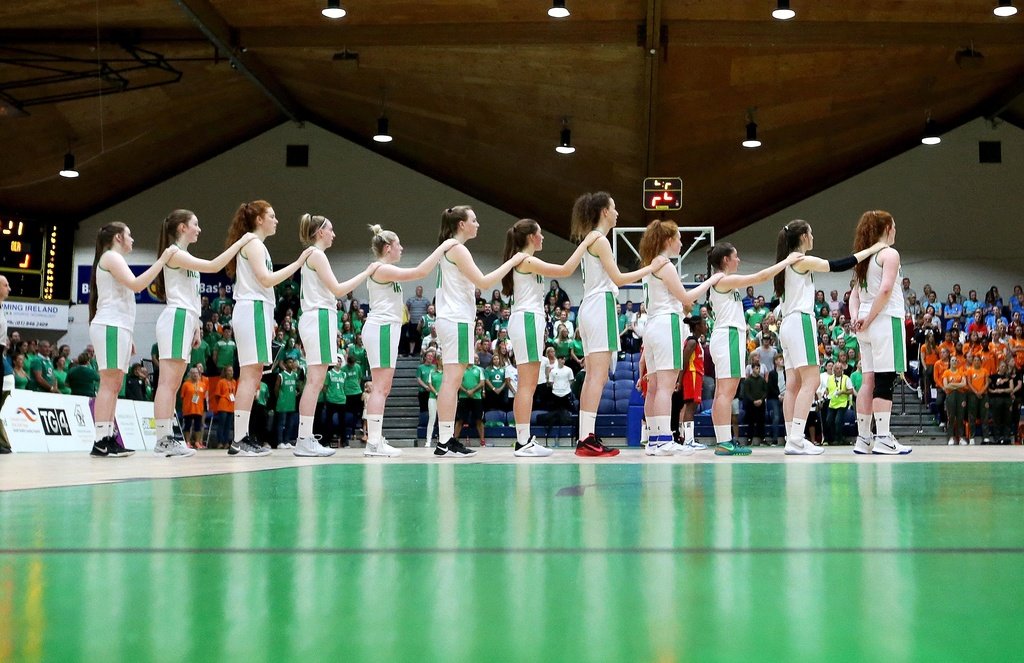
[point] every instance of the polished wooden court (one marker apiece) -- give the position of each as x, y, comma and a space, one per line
768, 558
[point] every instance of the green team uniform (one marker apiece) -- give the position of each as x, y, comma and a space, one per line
263, 395
62, 381
436, 377
288, 391
428, 324
359, 352
353, 379
217, 304
473, 376
199, 354
562, 348
45, 367
334, 386
496, 376
226, 353
423, 373
83, 380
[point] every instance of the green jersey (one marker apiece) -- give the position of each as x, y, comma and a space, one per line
473, 376
357, 325
423, 373
226, 352
62, 380
436, 377
217, 304
577, 347
45, 367
83, 380
263, 395
496, 376
287, 392
428, 324
562, 348
353, 376
334, 385
359, 352
199, 354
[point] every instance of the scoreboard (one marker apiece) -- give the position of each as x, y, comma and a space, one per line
36, 259
662, 194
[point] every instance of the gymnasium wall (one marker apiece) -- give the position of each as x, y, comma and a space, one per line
957, 220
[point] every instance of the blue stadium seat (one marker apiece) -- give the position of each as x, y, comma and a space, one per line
492, 416
607, 406
624, 371
623, 388
621, 405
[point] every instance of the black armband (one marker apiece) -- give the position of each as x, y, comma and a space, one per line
842, 264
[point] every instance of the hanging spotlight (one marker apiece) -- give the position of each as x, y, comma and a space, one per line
558, 9
333, 9
751, 140
565, 140
782, 11
931, 132
1005, 8
69, 166
382, 135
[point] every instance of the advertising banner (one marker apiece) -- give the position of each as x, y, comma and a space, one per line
32, 315
36, 421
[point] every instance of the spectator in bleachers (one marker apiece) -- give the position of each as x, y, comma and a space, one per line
992, 298
358, 351
479, 333
21, 375
470, 409
766, 353
821, 307
194, 402
995, 318
575, 358
561, 296
748, 299
928, 354
755, 315
137, 387
61, 375
908, 291
562, 342
83, 379
563, 321
423, 372
286, 407
952, 310
1015, 346
223, 405
484, 356
957, 294
497, 386
1000, 400
776, 423
835, 305
971, 304
629, 338
977, 324
914, 307
480, 301
40, 370
754, 393
954, 383
226, 315
435, 378
412, 331
226, 351
560, 405
487, 316
839, 393
221, 300
1017, 301
353, 392
426, 324
348, 334
976, 413
501, 324
335, 405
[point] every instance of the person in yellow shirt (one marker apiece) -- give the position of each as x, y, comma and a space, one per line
977, 398
954, 383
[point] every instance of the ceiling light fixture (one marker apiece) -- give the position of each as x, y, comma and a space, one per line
1005, 8
558, 9
751, 140
383, 135
333, 9
782, 11
565, 139
69, 166
931, 132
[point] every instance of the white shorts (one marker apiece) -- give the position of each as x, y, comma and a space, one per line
598, 320
664, 337
456, 341
253, 322
526, 332
175, 330
113, 346
318, 331
381, 342
798, 340
883, 347
727, 347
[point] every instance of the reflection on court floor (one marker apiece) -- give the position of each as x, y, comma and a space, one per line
754, 562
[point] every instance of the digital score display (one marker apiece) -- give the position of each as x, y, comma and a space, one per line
663, 194
36, 259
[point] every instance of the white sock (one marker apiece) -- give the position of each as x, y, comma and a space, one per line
445, 431
645, 432
797, 429
104, 429
588, 420
723, 433
241, 424
164, 428
305, 427
661, 431
882, 423
863, 425
522, 433
374, 424
688, 432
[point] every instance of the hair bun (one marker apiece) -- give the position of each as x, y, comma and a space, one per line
376, 229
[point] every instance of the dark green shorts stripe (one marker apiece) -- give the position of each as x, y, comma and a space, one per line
324, 334
463, 336
178, 335
112, 348
530, 329
677, 343
259, 328
385, 346
611, 321
899, 356
809, 345
735, 361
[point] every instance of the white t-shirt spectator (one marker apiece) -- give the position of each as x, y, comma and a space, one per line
512, 375
561, 381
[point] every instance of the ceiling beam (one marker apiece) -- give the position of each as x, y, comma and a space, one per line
225, 38
130, 36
